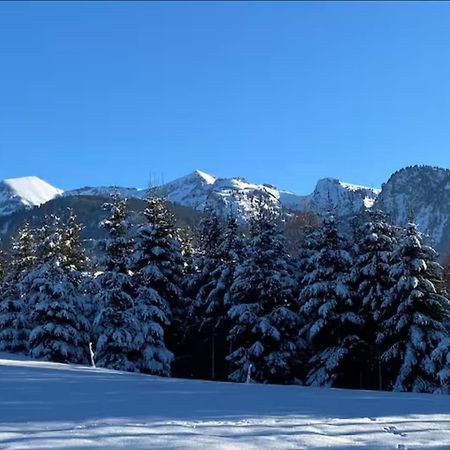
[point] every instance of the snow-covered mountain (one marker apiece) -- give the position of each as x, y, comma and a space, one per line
25, 192
237, 195
106, 191
423, 193
198, 188
225, 195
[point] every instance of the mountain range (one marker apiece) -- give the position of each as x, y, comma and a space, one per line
422, 192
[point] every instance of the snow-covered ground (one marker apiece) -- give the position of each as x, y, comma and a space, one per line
51, 406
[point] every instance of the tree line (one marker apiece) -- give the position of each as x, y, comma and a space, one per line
360, 304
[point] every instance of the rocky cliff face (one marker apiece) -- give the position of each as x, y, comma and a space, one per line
423, 194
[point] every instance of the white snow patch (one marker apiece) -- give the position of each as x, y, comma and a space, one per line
369, 202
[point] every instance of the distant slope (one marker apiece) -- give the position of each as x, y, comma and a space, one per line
56, 406
89, 211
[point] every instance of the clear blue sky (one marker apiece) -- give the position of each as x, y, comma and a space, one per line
285, 93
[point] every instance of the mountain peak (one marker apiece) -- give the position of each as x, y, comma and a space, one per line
16, 193
209, 179
31, 190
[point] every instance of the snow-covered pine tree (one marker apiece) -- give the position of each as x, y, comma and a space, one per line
14, 323
447, 275
76, 263
73, 254
208, 237
441, 358
116, 325
157, 265
213, 299
414, 314
371, 281
2, 265
59, 329
331, 318
264, 324
230, 251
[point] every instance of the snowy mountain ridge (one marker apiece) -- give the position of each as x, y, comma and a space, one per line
422, 191
236, 195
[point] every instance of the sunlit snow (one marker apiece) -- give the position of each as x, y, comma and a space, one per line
55, 406
32, 191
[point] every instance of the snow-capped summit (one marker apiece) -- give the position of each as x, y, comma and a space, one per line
17, 193
191, 190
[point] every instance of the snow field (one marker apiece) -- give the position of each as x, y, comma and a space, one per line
56, 406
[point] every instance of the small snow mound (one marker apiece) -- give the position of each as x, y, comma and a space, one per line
32, 191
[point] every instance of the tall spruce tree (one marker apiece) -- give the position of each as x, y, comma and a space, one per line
213, 299
116, 325
59, 329
415, 312
157, 265
77, 264
330, 316
370, 282
264, 324
2, 266
214, 265
14, 323
73, 254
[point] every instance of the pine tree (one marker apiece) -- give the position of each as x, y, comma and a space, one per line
230, 252
157, 265
3, 263
14, 323
73, 254
441, 359
262, 310
59, 329
116, 325
371, 280
447, 275
206, 309
415, 312
331, 319
212, 302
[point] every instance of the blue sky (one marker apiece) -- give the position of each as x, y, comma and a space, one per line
284, 93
